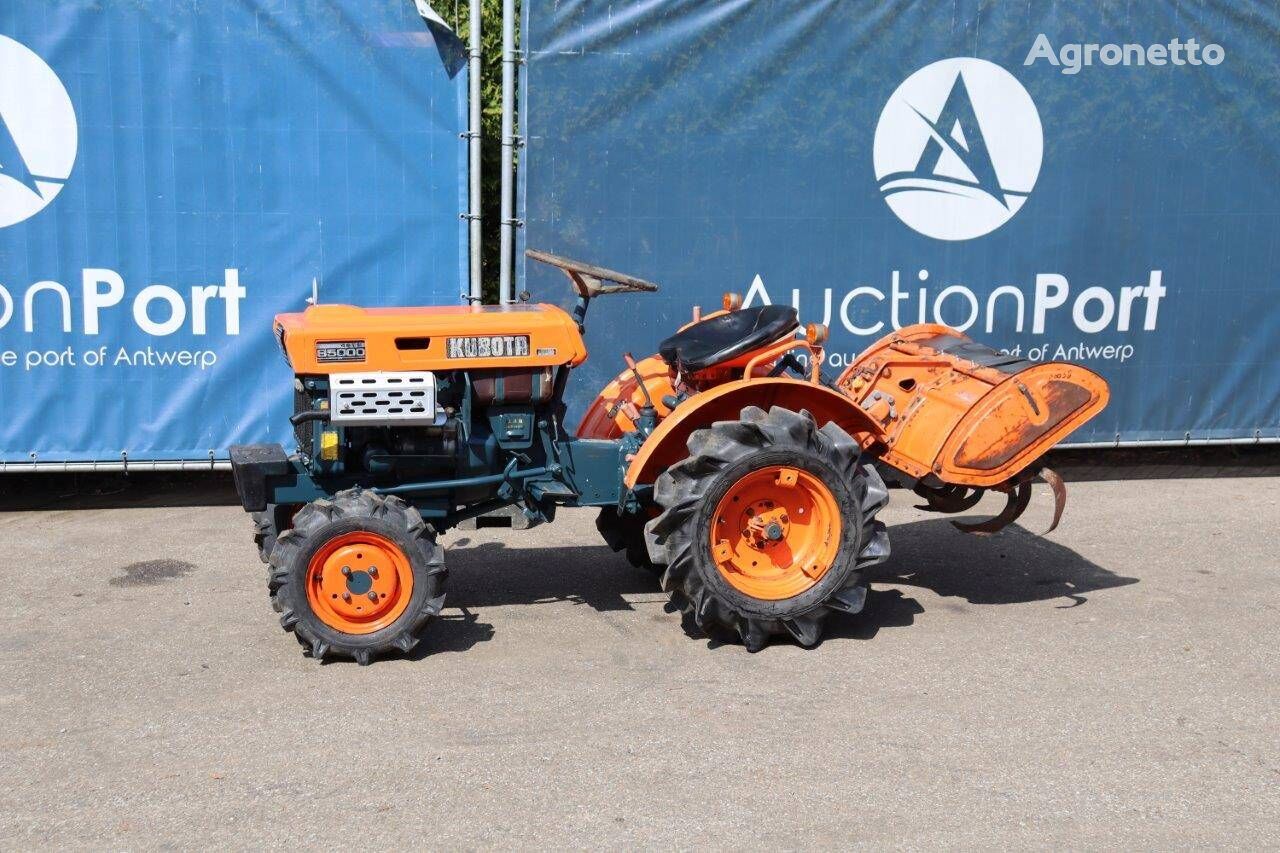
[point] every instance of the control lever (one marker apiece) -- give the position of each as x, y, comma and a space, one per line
650, 412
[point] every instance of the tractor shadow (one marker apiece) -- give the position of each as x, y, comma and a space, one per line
1014, 566
488, 574
1011, 567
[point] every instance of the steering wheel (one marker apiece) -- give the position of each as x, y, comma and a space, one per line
589, 280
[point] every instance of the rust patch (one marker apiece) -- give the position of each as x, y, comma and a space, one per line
977, 453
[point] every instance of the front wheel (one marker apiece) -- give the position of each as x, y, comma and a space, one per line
356, 576
767, 527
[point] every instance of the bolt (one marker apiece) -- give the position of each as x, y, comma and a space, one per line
373, 571
346, 571
346, 596
373, 596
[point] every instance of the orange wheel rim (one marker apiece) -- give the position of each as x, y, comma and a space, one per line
359, 582
776, 532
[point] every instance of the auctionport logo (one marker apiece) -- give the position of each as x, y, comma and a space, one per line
958, 149
38, 134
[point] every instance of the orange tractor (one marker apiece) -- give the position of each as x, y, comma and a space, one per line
727, 463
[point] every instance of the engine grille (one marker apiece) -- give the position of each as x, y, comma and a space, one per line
372, 399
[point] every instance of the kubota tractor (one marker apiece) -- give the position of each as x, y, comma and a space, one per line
727, 463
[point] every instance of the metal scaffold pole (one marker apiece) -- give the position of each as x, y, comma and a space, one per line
473, 135
508, 222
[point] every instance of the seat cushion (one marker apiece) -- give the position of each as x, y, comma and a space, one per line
720, 339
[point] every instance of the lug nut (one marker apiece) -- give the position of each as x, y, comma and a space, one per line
373, 596
346, 571
346, 596
373, 571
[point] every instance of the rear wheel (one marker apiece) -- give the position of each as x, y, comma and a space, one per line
767, 526
625, 532
357, 576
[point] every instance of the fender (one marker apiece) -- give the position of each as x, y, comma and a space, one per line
667, 444
605, 416
965, 413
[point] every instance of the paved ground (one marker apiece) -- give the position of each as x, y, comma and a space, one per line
1114, 685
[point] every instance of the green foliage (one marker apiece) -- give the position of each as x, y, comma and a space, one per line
491, 124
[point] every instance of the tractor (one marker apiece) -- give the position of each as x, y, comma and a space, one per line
728, 463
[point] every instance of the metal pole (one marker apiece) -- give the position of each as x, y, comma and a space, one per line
508, 223
473, 134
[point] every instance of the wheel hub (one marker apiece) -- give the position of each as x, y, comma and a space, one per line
776, 532
359, 582
767, 524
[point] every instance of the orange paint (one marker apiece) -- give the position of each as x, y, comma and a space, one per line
941, 415
668, 443
606, 416
776, 532
359, 582
417, 338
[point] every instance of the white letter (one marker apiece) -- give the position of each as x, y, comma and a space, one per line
1156, 54
199, 297
1044, 301
844, 310
95, 299
1071, 59
1083, 323
991, 305
756, 289
1041, 50
1193, 47
1213, 54
895, 295
968, 294
232, 292
7, 301
1127, 295
1111, 54
177, 310
1153, 293
29, 321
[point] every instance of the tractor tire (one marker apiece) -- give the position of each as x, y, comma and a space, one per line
356, 576
625, 533
746, 539
267, 526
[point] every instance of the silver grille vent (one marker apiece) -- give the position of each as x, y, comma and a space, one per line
382, 398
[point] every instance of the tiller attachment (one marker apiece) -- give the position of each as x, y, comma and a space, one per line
952, 499
957, 418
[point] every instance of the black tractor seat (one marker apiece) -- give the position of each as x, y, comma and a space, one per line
724, 338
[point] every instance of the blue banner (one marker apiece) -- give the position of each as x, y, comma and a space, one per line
174, 173
1088, 182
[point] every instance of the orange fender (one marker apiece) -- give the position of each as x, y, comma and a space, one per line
605, 417
963, 412
668, 443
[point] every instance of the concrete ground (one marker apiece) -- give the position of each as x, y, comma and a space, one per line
1113, 685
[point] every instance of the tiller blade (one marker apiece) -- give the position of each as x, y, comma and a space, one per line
1018, 496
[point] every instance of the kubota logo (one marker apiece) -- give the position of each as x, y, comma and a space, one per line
958, 148
38, 134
